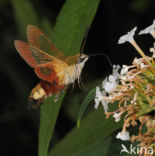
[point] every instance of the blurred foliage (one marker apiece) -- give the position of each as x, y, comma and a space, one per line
19, 126
140, 5
25, 14
93, 130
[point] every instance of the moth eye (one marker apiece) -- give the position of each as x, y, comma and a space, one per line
81, 59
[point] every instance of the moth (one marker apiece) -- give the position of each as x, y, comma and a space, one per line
55, 70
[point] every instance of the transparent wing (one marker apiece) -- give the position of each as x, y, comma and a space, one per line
46, 66
38, 39
32, 55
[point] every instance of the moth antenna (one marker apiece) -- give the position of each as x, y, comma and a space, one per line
82, 46
84, 42
81, 51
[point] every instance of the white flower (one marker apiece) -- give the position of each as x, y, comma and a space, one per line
116, 69
142, 65
124, 135
97, 101
124, 70
98, 97
149, 29
105, 105
153, 50
112, 82
128, 37
123, 74
104, 82
137, 61
111, 85
117, 117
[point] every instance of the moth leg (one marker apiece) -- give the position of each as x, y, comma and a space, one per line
80, 82
73, 85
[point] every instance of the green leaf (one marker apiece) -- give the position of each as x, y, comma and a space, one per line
84, 104
72, 105
94, 129
98, 149
72, 23
48, 115
24, 15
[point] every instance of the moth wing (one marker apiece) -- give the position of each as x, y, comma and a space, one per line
38, 39
49, 71
32, 55
46, 66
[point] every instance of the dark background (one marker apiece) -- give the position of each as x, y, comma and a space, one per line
18, 125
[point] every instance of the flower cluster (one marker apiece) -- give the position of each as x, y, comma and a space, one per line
133, 88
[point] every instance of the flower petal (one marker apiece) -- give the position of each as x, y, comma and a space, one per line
128, 37
117, 117
149, 29
124, 135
